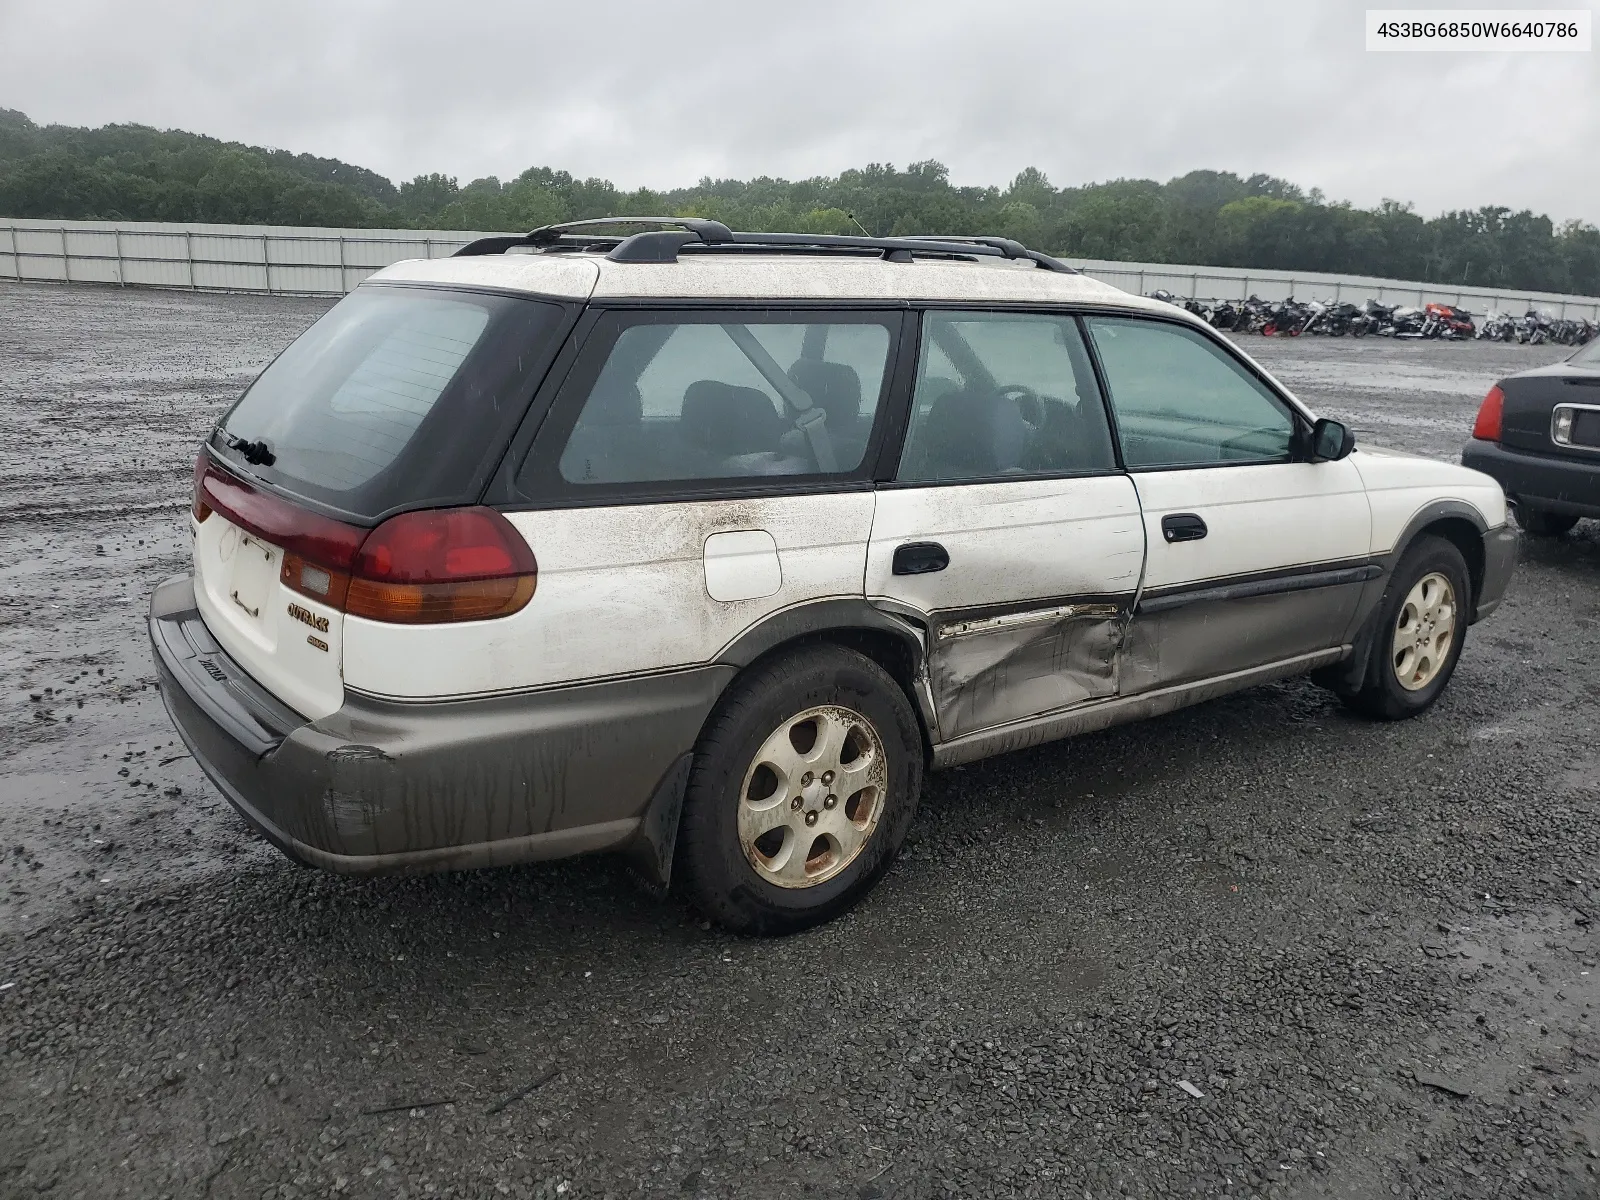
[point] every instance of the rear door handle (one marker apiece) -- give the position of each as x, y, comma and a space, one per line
920, 558
1182, 527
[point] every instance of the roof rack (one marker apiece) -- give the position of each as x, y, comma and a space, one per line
699, 234
549, 236
1011, 249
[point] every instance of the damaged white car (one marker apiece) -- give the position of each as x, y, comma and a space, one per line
703, 546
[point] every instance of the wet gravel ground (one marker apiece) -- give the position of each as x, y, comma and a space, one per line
1259, 947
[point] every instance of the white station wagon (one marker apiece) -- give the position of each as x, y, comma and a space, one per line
703, 546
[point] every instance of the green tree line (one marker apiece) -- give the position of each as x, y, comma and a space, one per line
1210, 218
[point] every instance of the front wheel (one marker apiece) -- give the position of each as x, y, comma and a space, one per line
1540, 522
804, 785
1421, 625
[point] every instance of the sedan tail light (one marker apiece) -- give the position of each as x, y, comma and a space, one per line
1491, 414
426, 567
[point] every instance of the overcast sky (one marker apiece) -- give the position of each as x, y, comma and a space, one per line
664, 93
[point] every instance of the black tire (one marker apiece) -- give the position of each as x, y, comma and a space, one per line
1382, 696
714, 872
1540, 522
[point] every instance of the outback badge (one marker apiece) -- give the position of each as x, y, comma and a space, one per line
306, 616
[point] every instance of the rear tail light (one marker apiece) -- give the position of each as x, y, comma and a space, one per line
1491, 414
419, 568
457, 564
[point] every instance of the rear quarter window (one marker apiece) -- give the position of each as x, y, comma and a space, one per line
396, 397
687, 400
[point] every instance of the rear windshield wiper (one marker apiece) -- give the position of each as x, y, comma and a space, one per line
257, 454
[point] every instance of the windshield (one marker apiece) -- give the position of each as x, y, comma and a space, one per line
1589, 355
396, 397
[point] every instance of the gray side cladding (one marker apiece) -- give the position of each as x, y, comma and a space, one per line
383, 786
387, 777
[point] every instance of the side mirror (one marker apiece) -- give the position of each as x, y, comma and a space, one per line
1331, 441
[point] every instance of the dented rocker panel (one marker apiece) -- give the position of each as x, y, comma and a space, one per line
1087, 718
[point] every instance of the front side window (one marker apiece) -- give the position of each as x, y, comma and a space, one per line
680, 397
1001, 395
1182, 401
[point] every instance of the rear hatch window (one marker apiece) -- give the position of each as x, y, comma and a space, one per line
397, 398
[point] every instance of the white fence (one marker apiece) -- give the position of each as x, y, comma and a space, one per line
266, 258
233, 258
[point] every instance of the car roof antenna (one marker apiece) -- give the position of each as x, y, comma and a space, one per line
858, 224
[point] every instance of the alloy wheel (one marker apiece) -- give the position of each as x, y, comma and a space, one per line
812, 796
1424, 631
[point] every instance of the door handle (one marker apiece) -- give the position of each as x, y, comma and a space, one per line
1182, 527
920, 558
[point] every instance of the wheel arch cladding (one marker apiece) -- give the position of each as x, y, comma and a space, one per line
1467, 538
1458, 523
891, 642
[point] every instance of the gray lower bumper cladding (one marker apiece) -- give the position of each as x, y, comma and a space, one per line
382, 787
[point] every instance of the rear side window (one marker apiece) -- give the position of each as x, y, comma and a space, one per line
663, 398
397, 396
1002, 395
1182, 401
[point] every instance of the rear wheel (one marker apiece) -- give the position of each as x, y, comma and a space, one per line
804, 784
1422, 622
1541, 522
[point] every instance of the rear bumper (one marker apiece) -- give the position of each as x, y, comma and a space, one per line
381, 787
1541, 480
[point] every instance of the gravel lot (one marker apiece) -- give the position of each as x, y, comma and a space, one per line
1369, 949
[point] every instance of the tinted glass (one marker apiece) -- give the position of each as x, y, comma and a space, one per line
1182, 400
396, 396
1004, 394
714, 398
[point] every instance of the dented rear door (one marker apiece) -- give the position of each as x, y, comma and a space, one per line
1008, 531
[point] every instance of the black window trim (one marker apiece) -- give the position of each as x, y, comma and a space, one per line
553, 405
1083, 308
890, 422
887, 476
1302, 422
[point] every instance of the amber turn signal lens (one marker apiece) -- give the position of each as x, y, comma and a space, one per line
436, 603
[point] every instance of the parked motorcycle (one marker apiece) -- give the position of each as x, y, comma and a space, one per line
1225, 315
1498, 327
1571, 331
1534, 328
1374, 318
1449, 321
1288, 318
1334, 318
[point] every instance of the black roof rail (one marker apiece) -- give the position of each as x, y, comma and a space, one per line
1011, 249
702, 230
664, 247
707, 230
700, 233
